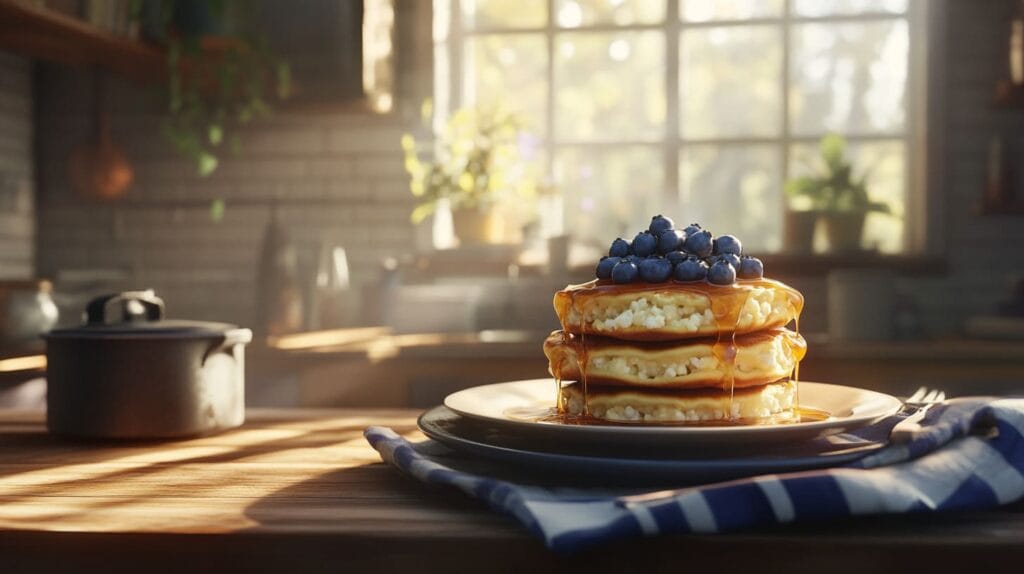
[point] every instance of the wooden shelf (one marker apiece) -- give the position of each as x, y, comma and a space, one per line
51, 36
1011, 209
1008, 96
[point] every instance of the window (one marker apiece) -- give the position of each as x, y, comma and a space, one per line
701, 108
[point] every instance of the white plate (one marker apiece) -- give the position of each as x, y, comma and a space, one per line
849, 408
601, 464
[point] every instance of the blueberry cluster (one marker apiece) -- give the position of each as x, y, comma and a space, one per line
662, 252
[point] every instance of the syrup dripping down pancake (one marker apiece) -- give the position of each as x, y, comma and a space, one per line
760, 358
675, 310
771, 403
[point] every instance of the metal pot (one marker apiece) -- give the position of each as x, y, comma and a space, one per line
128, 373
27, 310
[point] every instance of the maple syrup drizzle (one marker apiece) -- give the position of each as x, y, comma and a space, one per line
797, 416
796, 363
727, 303
561, 416
582, 357
726, 310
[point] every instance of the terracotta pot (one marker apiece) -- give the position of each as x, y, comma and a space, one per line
843, 230
477, 226
798, 231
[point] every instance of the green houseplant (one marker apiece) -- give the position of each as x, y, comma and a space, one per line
221, 73
834, 196
477, 166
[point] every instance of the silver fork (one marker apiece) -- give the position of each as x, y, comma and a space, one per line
922, 400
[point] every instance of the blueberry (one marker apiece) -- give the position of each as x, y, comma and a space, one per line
635, 259
675, 257
732, 258
644, 244
625, 272
699, 244
691, 229
660, 223
722, 273
690, 269
728, 244
604, 268
655, 270
619, 248
670, 240
751, 268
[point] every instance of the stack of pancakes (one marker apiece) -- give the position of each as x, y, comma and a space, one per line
677, 352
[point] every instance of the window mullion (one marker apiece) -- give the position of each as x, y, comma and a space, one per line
915, 146
672, 31
549, 119
784, 135
456, 50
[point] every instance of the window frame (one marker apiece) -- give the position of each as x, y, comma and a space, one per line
921, 210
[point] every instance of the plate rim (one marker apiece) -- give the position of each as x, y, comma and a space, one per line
831, 422
732, 462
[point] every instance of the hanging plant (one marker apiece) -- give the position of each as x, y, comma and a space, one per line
216, 82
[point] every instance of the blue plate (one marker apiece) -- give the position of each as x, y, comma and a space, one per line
610, 466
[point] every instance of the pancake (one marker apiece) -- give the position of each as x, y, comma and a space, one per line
676, 310
760, 358
774, 402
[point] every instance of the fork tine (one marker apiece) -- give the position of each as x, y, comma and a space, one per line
930, 397
918, 395
941, 397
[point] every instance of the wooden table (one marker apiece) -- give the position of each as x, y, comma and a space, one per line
300, 491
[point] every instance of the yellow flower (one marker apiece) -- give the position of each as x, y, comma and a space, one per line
408, 143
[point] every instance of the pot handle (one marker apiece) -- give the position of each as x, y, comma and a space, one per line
228, 342
134, 305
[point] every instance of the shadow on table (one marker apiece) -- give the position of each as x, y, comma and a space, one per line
106, 474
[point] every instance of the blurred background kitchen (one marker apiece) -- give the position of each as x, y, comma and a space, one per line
389, 191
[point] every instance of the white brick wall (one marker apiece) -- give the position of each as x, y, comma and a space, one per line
984, 253
17, 201
342, 175
339, 177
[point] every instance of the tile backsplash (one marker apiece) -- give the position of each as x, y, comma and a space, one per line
17, 187
340, 177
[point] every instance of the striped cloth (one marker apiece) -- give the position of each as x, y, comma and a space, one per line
968, 454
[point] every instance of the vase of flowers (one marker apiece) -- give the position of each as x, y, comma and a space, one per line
479, 168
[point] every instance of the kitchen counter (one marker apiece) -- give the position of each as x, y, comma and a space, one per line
301, 491
374, 367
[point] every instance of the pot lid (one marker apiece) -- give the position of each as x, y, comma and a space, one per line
136, 314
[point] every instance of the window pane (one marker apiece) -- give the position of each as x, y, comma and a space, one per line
849, 77
510, 69
575, 13
734, 189
442, 85
505, 13
730, 81
706, 10
442, 20
831, 7
609, 86
609, 190
884, 165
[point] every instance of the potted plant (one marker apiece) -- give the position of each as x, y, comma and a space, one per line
835, 196
478, 168
221, 73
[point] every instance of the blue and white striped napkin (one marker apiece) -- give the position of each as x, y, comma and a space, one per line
968, 454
